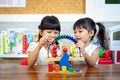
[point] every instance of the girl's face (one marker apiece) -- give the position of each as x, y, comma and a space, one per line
83, 35
50, 34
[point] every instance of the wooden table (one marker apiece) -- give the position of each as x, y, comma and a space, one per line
99, 72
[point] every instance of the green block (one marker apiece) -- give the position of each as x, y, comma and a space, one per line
101, 52
70, 69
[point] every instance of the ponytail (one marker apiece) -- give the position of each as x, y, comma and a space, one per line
102, 36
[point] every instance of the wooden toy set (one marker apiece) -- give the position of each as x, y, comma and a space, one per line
64, 66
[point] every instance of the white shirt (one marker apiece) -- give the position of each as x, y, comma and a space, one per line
89, 49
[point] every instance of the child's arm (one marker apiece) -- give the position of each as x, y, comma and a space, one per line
33, 55
91, 60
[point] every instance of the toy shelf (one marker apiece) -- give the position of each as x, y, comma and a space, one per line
14, 56
70, 59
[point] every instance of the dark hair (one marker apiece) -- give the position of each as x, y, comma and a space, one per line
89, 24
49, 22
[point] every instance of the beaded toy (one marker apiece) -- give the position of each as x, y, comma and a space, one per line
64, 65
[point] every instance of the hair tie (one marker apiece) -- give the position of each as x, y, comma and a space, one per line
97, 29
95, 40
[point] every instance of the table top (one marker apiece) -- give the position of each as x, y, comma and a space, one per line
99, 72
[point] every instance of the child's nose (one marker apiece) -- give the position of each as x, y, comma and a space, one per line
52, 35
77, 34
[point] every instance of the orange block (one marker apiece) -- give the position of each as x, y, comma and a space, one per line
57, 67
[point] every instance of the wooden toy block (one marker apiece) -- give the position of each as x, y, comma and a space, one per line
50, 67
64, 73
70, 59
57, 67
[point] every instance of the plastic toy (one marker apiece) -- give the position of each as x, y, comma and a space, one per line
64, 64
24, 61
105, 57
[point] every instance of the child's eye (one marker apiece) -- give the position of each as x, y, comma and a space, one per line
74, 32
56, 32
80, 31
49, 32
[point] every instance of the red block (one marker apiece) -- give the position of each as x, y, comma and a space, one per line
105, 61
106, 53
24, 61
50, 67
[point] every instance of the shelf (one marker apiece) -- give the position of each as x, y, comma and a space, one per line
14, 56
62, 17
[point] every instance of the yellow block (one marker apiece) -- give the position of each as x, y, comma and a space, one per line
64, 69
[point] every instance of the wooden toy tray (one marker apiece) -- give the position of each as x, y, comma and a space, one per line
64, 73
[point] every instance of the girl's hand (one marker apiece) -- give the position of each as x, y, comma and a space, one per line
43, 41
80, 45
46, 40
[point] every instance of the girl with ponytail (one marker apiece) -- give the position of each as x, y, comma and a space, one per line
86, 31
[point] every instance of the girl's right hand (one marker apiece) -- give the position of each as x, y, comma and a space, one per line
46, 40
43, 41
80, 45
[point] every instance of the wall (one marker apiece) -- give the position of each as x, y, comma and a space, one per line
48, 7
65, 26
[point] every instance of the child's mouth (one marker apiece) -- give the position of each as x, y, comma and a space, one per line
78, 38
51, 40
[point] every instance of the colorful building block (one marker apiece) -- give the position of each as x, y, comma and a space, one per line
65, 61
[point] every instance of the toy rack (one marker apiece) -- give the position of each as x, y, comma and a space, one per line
64, 67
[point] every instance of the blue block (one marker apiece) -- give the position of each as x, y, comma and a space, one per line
65, 61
